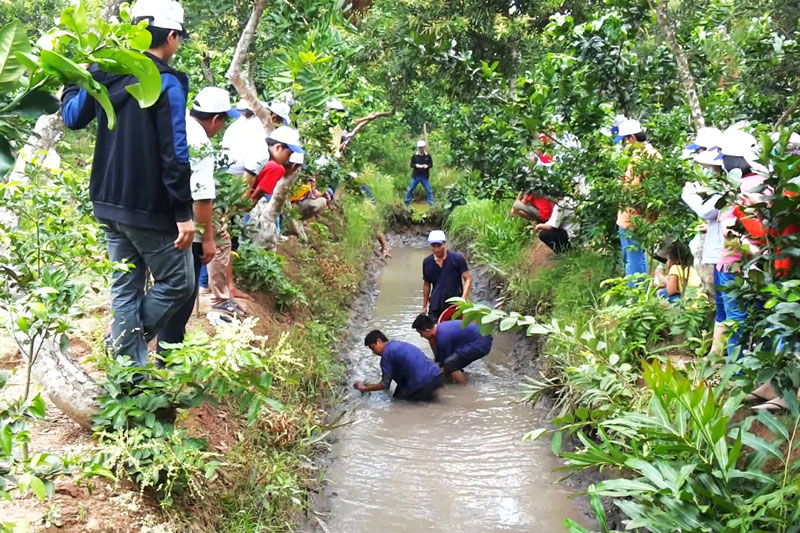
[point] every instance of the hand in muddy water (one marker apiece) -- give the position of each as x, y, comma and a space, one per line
359, 385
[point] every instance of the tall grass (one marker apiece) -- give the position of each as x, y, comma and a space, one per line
492, 236
363, 221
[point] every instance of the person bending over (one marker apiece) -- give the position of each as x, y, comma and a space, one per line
417, 377
454, 347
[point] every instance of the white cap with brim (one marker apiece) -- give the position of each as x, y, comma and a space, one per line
214, 100
738, 143
421, 144
335, 104
794, 138
166, 14
288, 136
437, 236
708, 157
281, 109
628, 128
706, 138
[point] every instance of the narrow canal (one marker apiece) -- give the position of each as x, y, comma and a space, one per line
456, 465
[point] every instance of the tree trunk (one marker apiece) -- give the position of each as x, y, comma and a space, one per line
362, 123
244, 84
684, 73
67, 386
208, 74
111, 9
262, 217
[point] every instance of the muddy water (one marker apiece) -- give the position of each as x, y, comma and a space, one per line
456, 465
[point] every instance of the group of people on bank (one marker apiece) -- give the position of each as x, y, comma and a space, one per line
154, 186
445, 275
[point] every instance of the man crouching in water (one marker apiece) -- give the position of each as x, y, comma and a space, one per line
453, 346
417, 377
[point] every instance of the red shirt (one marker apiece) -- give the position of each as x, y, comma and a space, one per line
269, 177
544, 206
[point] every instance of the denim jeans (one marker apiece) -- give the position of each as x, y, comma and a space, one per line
416, 180
175, 328
203, 279
138, 316
735, 315
632, 254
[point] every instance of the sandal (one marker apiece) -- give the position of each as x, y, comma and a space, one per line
775, 405
230, 307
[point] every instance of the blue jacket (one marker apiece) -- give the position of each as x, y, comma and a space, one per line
140, 173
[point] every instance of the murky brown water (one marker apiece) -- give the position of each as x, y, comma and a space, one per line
456, 465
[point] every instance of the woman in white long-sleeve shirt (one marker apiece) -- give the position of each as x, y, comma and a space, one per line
714, 242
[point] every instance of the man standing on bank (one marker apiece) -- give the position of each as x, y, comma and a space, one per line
454, 347
417, 377
445, 275
421, 165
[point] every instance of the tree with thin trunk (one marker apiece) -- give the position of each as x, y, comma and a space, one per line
667, 29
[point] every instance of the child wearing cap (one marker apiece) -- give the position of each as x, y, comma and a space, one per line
631, 134
421, 165
140, 185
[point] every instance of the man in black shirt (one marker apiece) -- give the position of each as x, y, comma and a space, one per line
421, 165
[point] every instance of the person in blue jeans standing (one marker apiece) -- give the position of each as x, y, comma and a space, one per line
421, 165
140, 185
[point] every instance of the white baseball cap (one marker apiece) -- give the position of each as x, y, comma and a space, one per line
281, 109
627, 128
288, 136
166, 14
437, 236
708, 157
614, 130
335, 104
736, 142
706, 138
794, 138
421, 144
214, 100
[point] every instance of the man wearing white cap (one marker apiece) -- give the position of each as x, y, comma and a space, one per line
631, 134
421, 165
245, 141
140, 185
207, 117
445, 275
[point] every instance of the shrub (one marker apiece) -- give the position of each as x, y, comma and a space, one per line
261, 270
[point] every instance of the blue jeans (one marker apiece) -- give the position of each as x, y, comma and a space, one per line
662, 293
632, 255
202, 280
735, 313
137, 317
416, 180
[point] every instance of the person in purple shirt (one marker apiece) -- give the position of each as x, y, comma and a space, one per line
445, 275
417, 377
455, 347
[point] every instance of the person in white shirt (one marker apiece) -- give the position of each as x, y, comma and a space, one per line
207, 117
560, 227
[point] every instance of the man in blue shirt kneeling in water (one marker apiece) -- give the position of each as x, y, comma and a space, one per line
454, 347
417, 377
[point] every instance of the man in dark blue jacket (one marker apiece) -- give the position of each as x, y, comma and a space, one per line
140, 186
454, 347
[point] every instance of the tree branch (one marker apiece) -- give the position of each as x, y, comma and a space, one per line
361, 123
244, 85
786, 114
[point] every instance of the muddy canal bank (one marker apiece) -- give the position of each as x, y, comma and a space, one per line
458, 464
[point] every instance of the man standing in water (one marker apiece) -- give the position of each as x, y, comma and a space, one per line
454, 347
421, 165
417, 377
445, 275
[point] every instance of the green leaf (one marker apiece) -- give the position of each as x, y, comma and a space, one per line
148, 90
38, 488
37, 407
37, 103
6, 440
535, 434
6, 157
507, 323
761, 446
774, 425
13, 39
